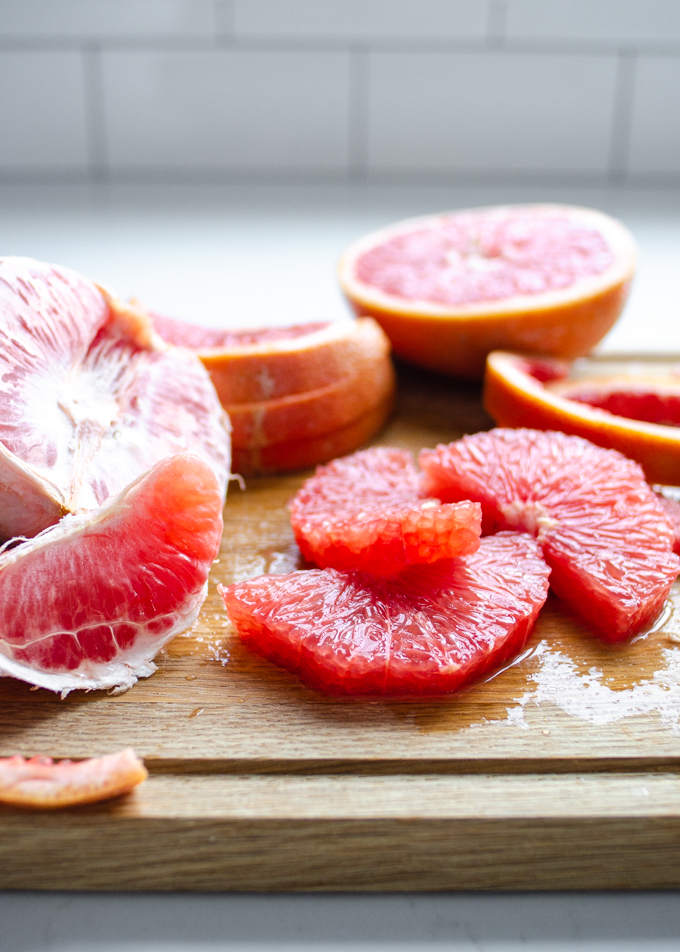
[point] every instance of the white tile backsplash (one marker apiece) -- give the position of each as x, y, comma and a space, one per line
226, 109
42, 112
655, 128
448, 112
100, 19
361, 19
611, 21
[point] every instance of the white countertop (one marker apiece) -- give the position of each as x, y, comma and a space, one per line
245, 255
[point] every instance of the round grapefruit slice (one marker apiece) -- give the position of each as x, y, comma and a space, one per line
450, 288
638, 416
429, 630
90, 398
251, 366
42, 783
601, 528
89, 602
366, 512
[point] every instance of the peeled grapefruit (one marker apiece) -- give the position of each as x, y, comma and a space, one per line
90, 398
366, 512
449, 288
40, 782
89, 602
635, 414
600, 527
429, 630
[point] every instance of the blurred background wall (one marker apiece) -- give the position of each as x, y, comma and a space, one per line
571, 91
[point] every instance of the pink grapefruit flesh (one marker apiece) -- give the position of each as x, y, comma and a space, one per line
600, 527
367, 512
429, 630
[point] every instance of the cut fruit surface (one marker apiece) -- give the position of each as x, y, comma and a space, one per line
90, 398
367, 512
601, 528
429, 630
637, 415
41, 783
450, 288
90, 602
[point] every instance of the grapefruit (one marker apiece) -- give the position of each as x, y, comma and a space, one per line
89, 602
366, 512
450, 288
90, 398
429, 630
251, 366
635, 414
40, 782
600, 527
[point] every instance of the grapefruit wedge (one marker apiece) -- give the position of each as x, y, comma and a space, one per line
450, 288
367, 512
41, 783
90, 398
600, 527
89, 602
429, 630
635, 414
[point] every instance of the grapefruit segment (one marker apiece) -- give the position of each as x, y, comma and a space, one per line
89, 603
42, 783
366, 512
637, 415
449, 288
429, 630
600, 527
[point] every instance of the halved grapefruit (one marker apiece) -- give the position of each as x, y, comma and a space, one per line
450, 288
89, 602
638, 415
429, 630
366, 512
600, 527
90, 398
42, 783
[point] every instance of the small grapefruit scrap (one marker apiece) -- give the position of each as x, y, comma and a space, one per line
429, 630
449, 288
367, 512
600, 526
89, 602
636, 414
43, 784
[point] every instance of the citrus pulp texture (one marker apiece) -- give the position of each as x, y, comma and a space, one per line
429, 630
366, 511
600, 527
89, 602
41, 783
90, 398
635, 415
449, 288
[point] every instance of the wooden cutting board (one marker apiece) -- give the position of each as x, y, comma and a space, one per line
561, 772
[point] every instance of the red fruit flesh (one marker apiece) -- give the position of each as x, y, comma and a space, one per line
89, 602
366, 512
194, 337
429, 630
600, 527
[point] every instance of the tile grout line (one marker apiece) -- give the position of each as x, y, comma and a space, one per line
357, 120
95, 121
619, 150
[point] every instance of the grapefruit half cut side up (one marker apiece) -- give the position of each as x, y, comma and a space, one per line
366, 512
429, 630
449, 288
637, 415
601, 528
41, 783
90, 602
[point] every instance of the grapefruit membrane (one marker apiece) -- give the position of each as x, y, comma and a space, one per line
428, 630
449, 288
367, 512
600, 526
89, 602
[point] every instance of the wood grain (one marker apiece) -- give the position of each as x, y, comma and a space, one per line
562, 771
